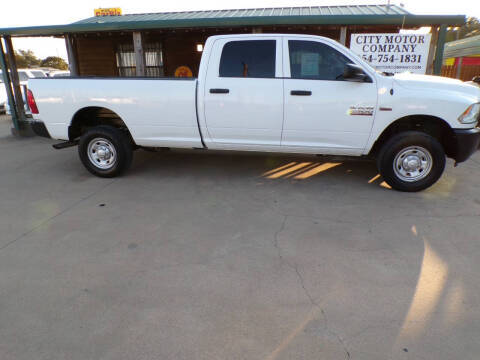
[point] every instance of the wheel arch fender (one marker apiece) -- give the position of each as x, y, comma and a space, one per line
90, 116
432, 125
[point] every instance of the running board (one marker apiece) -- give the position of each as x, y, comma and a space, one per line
65, 144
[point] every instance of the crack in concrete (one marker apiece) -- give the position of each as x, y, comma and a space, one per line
305, 290
275, 239
339, 338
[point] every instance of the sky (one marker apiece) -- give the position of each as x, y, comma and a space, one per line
32, 13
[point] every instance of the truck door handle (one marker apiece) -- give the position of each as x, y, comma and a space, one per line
300, 93
219, 91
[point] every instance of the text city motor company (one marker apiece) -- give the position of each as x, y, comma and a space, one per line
390, 43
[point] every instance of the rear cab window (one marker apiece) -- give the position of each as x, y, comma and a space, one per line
248, 59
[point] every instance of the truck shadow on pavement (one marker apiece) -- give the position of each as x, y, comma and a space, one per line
269, 167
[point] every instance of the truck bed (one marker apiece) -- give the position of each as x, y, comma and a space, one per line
156, 111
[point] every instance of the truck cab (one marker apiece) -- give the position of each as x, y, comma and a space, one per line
285, 92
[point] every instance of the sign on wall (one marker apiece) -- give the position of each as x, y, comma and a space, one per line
183, 71
108, 12
393, 53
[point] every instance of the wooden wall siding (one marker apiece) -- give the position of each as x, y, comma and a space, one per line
179, 51
467, 72
96, 56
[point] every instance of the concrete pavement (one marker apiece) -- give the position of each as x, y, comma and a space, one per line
198, 255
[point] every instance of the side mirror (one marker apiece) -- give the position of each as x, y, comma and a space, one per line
354, 72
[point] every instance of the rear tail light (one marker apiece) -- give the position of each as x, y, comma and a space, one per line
31, 102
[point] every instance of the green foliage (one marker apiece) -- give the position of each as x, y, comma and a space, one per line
471, 28
26, 59
54, 62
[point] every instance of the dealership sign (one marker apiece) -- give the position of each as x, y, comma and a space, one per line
393, 53
107, 12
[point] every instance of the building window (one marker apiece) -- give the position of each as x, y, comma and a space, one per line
153, 60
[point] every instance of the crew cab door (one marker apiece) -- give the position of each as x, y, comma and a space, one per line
324, 112
243, 101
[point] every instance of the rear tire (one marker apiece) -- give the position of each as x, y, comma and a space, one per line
411, 161
105, 151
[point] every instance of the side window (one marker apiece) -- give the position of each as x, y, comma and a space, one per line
314, 60
251, 58
126, 62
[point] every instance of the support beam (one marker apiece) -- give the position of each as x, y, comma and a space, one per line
431, 50
72, 55
20, 108
459, 67
437, 65
343, 35
8, 87
139, 54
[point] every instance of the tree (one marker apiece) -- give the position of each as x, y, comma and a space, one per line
470, 28
54, 62
26, 59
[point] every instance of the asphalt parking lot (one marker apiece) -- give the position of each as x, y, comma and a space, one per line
197, 255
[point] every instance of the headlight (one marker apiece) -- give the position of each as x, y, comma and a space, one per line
470, 115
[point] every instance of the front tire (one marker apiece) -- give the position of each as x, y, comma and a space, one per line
105, 151
411, 161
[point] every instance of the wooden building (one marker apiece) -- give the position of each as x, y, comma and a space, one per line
170, 44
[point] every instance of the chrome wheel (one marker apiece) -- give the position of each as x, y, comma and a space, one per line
412, 163
101, 153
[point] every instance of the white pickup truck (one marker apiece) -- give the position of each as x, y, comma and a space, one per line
271, 93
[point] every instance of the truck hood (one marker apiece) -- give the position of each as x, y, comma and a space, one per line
435, 83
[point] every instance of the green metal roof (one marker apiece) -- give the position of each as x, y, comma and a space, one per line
464, 47
313, 15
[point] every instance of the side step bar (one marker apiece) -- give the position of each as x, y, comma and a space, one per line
65, 144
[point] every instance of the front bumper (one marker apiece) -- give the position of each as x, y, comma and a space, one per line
40, 129
466, 142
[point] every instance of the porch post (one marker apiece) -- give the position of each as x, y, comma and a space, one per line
437, 65
431, 50
8, 87
459, 67
71, 54
343, 35
139, 53
20, 107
